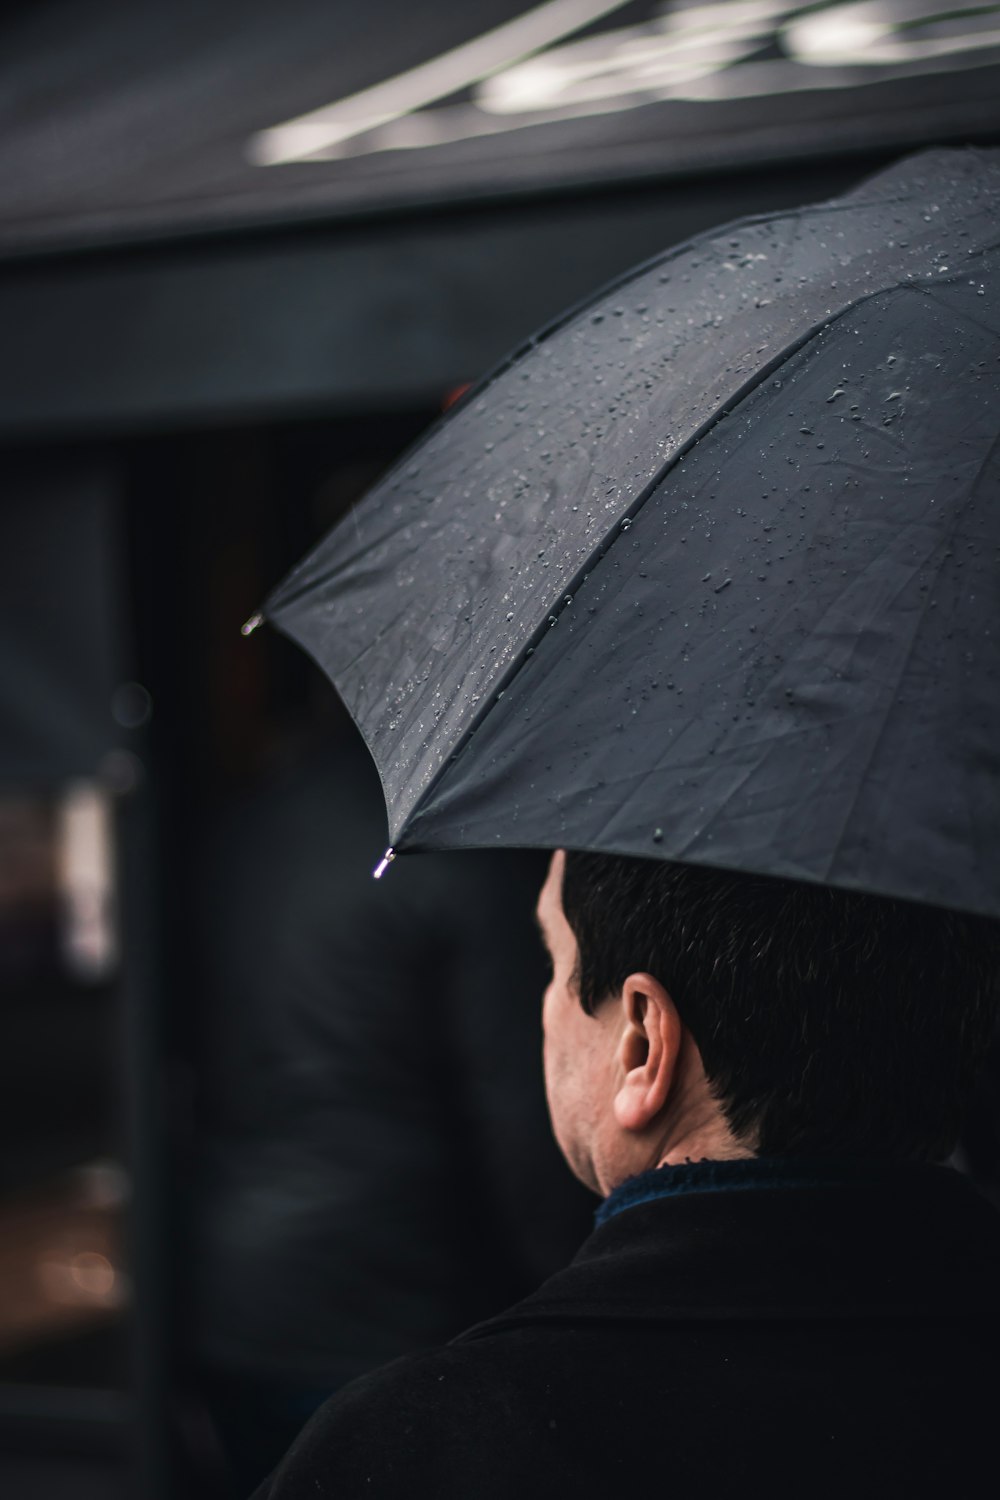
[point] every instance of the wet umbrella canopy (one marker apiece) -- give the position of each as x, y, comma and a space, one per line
708, 571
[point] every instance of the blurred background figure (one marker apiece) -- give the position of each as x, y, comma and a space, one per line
378, 1171
232, 294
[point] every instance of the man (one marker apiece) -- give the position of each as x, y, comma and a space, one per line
783, 1295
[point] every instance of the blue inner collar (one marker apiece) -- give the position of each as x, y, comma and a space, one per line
740, 1176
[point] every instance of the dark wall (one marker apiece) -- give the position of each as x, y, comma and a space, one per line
342, 318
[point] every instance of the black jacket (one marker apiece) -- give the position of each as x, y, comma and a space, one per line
837, 1339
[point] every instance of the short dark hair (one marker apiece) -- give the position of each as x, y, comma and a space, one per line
830, 1023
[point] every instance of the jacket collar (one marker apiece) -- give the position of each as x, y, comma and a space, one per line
745, 1174
909, 1241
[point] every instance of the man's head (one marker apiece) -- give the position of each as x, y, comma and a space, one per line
696, 1012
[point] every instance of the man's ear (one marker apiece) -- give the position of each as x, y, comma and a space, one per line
648, 1052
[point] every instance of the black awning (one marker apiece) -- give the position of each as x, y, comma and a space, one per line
125, 121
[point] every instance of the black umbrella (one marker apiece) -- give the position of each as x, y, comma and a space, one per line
707, 571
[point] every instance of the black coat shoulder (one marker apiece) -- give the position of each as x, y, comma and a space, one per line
452, 1423
820, 1341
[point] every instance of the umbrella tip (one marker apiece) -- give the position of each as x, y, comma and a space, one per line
384, 863
250, 625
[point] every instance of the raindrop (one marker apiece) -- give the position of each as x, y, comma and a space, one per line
553, 619
626, 524
597, 317
657, 835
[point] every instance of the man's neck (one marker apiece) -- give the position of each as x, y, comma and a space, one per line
705, 1146
697, 1130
